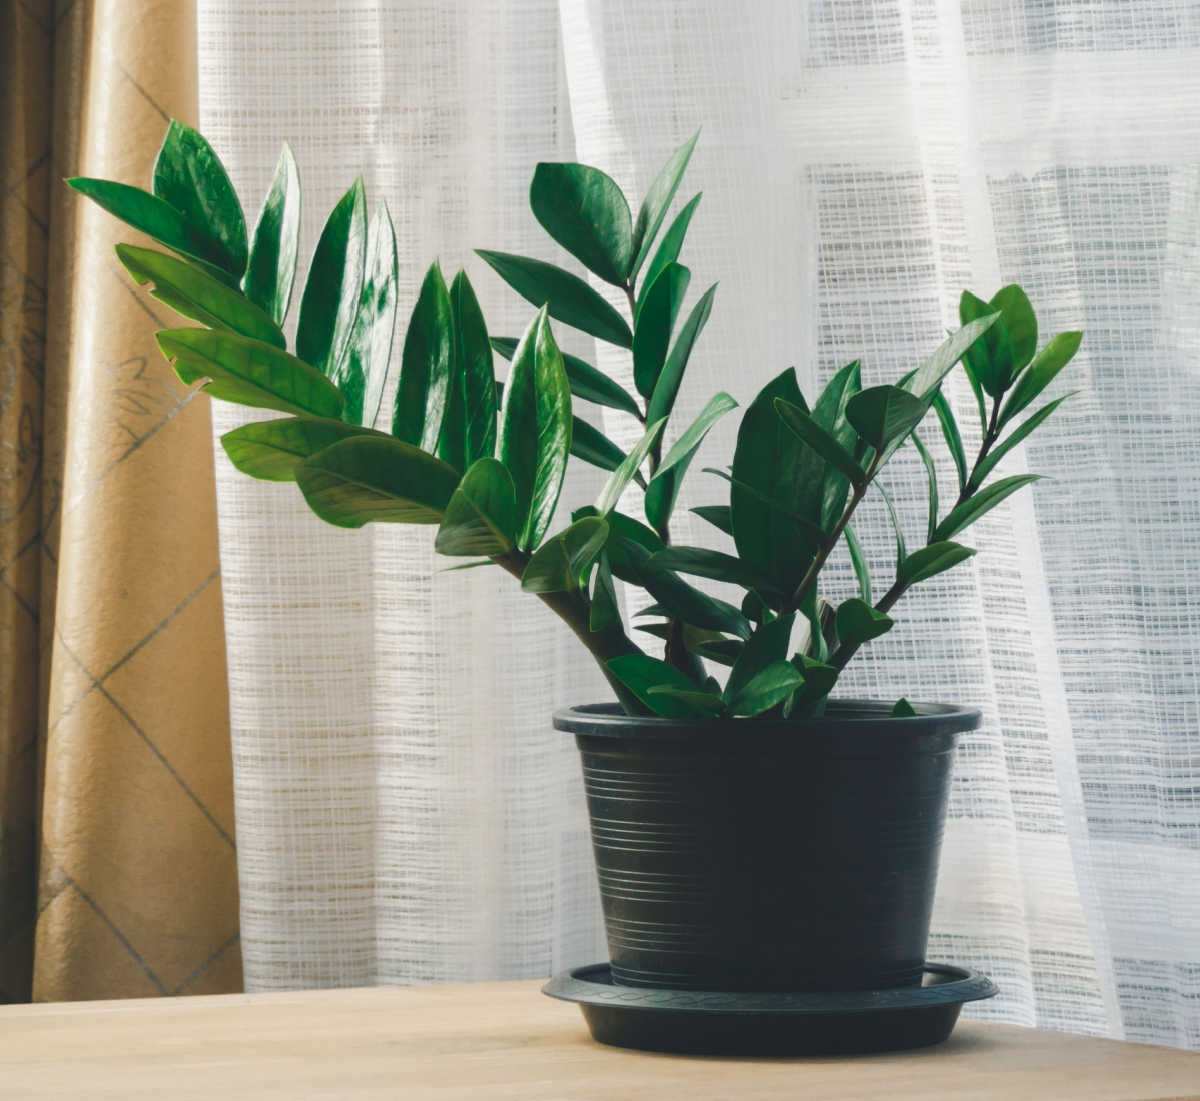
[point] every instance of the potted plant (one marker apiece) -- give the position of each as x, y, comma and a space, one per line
767, 853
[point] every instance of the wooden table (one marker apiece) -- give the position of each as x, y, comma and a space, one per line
505, 1040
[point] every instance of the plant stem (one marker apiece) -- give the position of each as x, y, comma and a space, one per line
989, 437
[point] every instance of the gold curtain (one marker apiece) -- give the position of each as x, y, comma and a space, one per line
117, 860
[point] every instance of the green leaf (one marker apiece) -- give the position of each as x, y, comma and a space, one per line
806, 429
768, 534
376, 478
420, 404
605, 611
981, 502
830, 414
467, 565
587, 383
640, 673
332, 291
1018, 435
931, 474
990, 361
583, 209
655, 324
901, 549
953, 437
629, 546
249, 372
1042, 371
535, 428
720, 516
884, 414
668, 250
271, 269
657, 203
624, 474
704, 704
662, 401
592, 446
189, 176
369, 352
481, 517
819, 681
192, 292
859, 561
570, 299
930, 561
562, 562
902, 709
701, 562
858, 622
274, 450
476, 375
724, 651
663, 490
157, 219
925, 380
1017, 316
681, 600
806, 528
767, 689
768, 645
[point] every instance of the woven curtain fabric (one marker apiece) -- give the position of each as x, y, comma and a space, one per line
404, 811
118, 871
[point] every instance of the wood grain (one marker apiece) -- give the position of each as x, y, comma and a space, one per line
506, 1041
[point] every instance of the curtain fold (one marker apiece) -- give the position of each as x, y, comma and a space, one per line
118, 860
404, 811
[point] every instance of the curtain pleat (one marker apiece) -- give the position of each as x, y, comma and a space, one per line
117, 783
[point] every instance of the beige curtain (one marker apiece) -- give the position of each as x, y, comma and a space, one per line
117, 860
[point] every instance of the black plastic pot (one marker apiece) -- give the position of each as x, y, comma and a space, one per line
768, 856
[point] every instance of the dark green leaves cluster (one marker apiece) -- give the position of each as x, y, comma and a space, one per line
485, 463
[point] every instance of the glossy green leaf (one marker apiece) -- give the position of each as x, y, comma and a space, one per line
830, 414
952, 436
592, 446
193, 293
925, 380
271, 269
332, 291
720, 516
807, 529
561, 563
1016, 437
701, 562
897, 529
931, 560
806, 429
858, 622
249, 372
630, 544
655, 324
189, 176
1042, 371
666, 388
571, 300
476, 374
156, 218
587, 383
931, 475
663, 490
605, 611
990, 361
376, 478
425, 364
583, 209
883, 415
657, 202
858, 560
768, 645
369, 352
819, 681
681, 600
1018, 318
902, 709
640, 673
703, 703
668, 250
535, 428
768, 688
981, 502
481, 517
624, 474
274, 450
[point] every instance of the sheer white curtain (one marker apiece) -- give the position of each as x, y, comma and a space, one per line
405, 812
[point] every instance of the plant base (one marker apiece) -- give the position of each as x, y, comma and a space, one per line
714, 1023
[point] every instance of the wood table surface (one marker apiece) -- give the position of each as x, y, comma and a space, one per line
505, 1040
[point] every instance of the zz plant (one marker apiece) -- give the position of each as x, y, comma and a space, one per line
485, 463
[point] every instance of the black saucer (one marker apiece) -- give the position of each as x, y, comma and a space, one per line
713, 1023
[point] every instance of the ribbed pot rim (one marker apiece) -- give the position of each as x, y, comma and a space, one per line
842, 719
